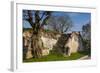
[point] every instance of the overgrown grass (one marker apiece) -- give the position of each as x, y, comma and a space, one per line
57, 57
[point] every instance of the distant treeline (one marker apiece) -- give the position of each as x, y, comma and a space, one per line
27, 29
44, 30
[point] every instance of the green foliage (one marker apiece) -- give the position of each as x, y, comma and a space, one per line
87, 46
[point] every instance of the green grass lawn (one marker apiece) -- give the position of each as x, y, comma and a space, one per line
57, 57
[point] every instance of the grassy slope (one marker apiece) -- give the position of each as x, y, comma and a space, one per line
55, 57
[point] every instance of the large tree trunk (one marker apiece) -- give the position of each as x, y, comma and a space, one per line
37, 23
34, 46
37, 44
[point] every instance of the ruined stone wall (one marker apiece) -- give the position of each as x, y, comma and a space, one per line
51, 39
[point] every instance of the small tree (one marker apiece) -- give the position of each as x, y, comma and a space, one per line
86, 32
60, 23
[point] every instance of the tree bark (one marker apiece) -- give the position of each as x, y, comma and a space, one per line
37, 44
